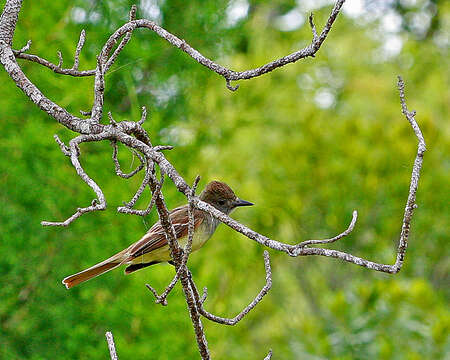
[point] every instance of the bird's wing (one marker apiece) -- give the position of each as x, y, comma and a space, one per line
155, 238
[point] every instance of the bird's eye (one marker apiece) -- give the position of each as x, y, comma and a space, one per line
221, 202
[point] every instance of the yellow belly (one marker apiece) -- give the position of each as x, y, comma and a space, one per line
163, 253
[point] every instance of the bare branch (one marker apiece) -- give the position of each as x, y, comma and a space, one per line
247, 309
253, 235
99, 88
73, 123
302, 248
60, 60
8, 20
111, 345
146, 211
117, 165
411, 202
313, 27
188, 248
23, 49
132, 135
65, 149
230, 87
132, 14
124, 41
97, 204
57, 69
176, 255
143, 116
229, 75
128, 207
76, 59
333, 239
162, 299
111, 119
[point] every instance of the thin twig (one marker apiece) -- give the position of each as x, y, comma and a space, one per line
176, 255
57, 69
143, 116
111, 345
415, 176
162, 147
124, 41
333, 239
313, 27
64, 148
23, 49
247, 309
137, 195
118, 169
76, 58
146, 211
60, 60
97, 204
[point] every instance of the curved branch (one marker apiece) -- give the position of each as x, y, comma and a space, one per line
127, 208
119, 171
246, 310
302, 249
97, 204
229, 75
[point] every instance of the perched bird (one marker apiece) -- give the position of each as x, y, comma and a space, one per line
153, 248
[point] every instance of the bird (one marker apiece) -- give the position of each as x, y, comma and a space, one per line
153, 248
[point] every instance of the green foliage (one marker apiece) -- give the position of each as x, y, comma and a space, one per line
305, 166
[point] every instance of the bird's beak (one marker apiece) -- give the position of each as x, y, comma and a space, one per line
240, 202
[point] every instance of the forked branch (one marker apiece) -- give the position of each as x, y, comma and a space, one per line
229, 75
74, 152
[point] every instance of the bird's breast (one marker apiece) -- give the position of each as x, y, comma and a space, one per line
201, 235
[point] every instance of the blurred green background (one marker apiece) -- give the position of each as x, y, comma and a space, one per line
308, 143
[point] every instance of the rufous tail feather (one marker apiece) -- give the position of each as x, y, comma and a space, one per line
87, 274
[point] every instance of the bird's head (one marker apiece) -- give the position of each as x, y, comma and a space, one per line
222, 197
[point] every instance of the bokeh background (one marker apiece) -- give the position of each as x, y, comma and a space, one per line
308, 143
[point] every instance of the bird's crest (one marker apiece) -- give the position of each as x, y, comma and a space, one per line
215, 190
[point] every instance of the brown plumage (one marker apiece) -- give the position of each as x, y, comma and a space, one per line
152, 248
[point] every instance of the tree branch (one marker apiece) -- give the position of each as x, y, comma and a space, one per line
74, 151
302, 249
162, 299
111, 345
8, 21
119, 171
246, 310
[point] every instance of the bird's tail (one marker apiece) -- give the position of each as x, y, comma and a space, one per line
93, 271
